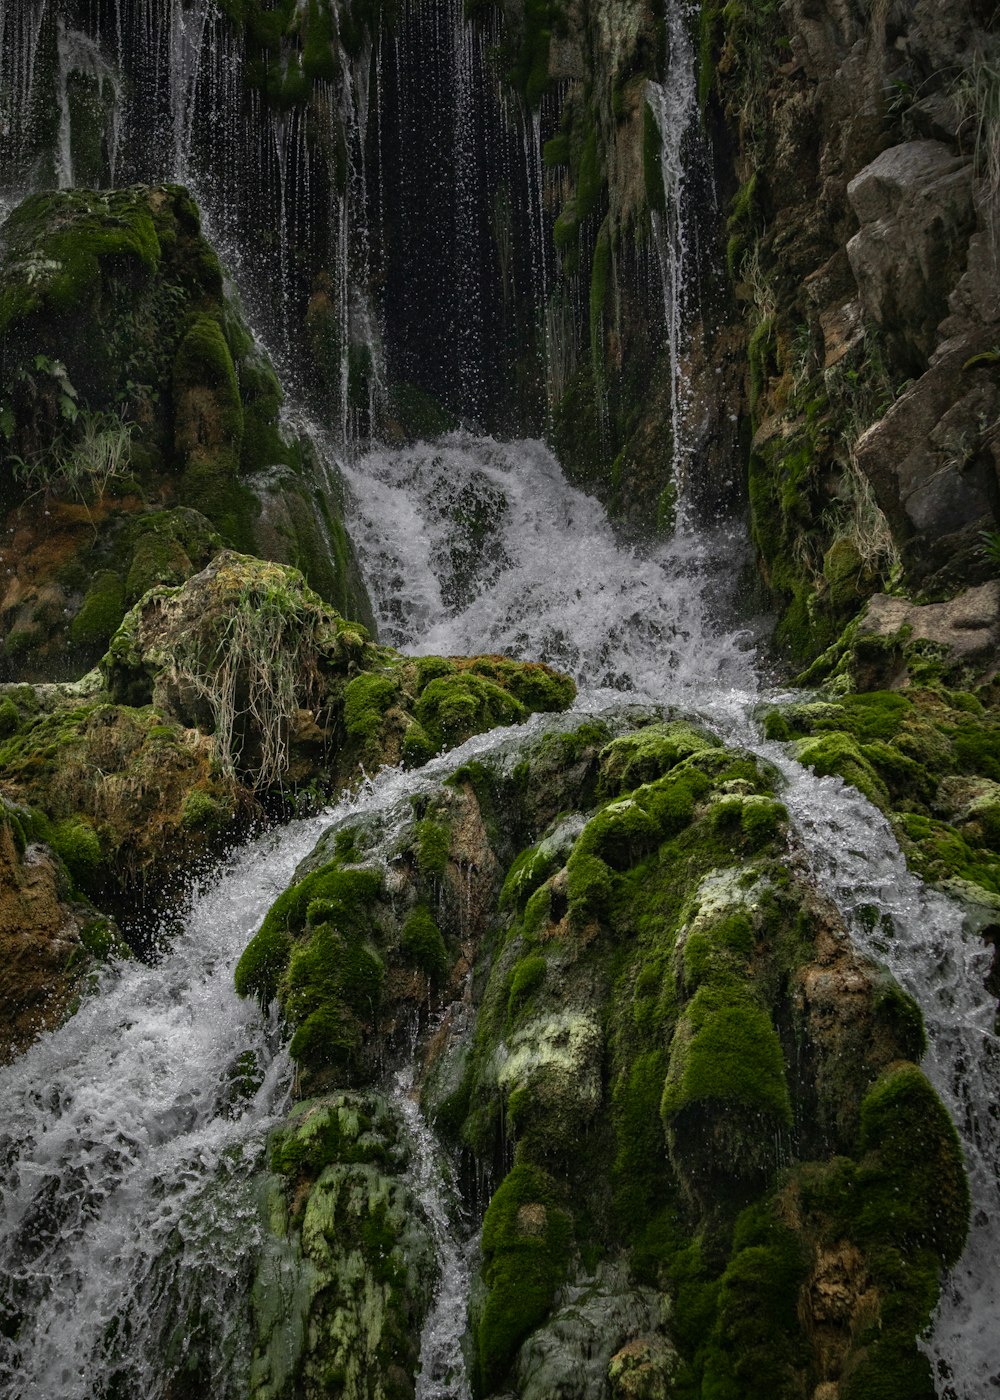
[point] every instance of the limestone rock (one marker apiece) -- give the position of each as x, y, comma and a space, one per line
966, 626
915, 206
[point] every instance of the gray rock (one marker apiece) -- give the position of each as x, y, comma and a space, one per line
916, 209
933, 463
569, 1358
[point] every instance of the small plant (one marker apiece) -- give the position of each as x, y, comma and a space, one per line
977, 96
86, 465
991, 547
254, 668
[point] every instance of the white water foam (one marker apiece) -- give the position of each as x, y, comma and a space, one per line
471, 545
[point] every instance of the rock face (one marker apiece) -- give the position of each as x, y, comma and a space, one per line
915, 206
138, 426
228, 692
860, 239
693, 1097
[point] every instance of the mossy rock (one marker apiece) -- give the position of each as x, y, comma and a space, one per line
526, 1242
128, 377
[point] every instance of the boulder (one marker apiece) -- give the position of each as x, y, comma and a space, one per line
139, 427
915, 206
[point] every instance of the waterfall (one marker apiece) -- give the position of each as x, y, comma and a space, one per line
471, 545
431, 1178
129, 1137
128, 1143
538, 574
674, 104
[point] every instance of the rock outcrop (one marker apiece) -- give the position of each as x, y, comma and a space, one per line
50, 937
713, 1158
138, 426
860, 238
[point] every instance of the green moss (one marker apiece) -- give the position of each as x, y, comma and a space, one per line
65, 237
757, 1350
79, 847
348, 893
724, 946
889, 1370
726, 1100
101, 941
366, 699
589, 888
10, 718
528, 871
643, 1185
538, 688
648, 754
754, 820
526, 976
203, 812
101, 612
203, 362
526, 1243
332, 986
433, 846
423, 944
729, 1053
555, 152
589, 179
322, 1133
839, 754
452, 708
911, 1179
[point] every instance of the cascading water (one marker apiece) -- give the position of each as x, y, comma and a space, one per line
920, 935
129, 1140
473, 545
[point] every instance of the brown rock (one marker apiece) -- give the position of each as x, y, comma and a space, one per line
41, 955
968, 625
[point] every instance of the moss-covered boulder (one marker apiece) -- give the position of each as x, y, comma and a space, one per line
927, 757
132, 795
348, 1268
645, 1026
225, 695
136, 406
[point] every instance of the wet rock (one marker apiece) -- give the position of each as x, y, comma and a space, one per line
49, 937
684, 1081
966, 627
601, 1329
348, 1266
